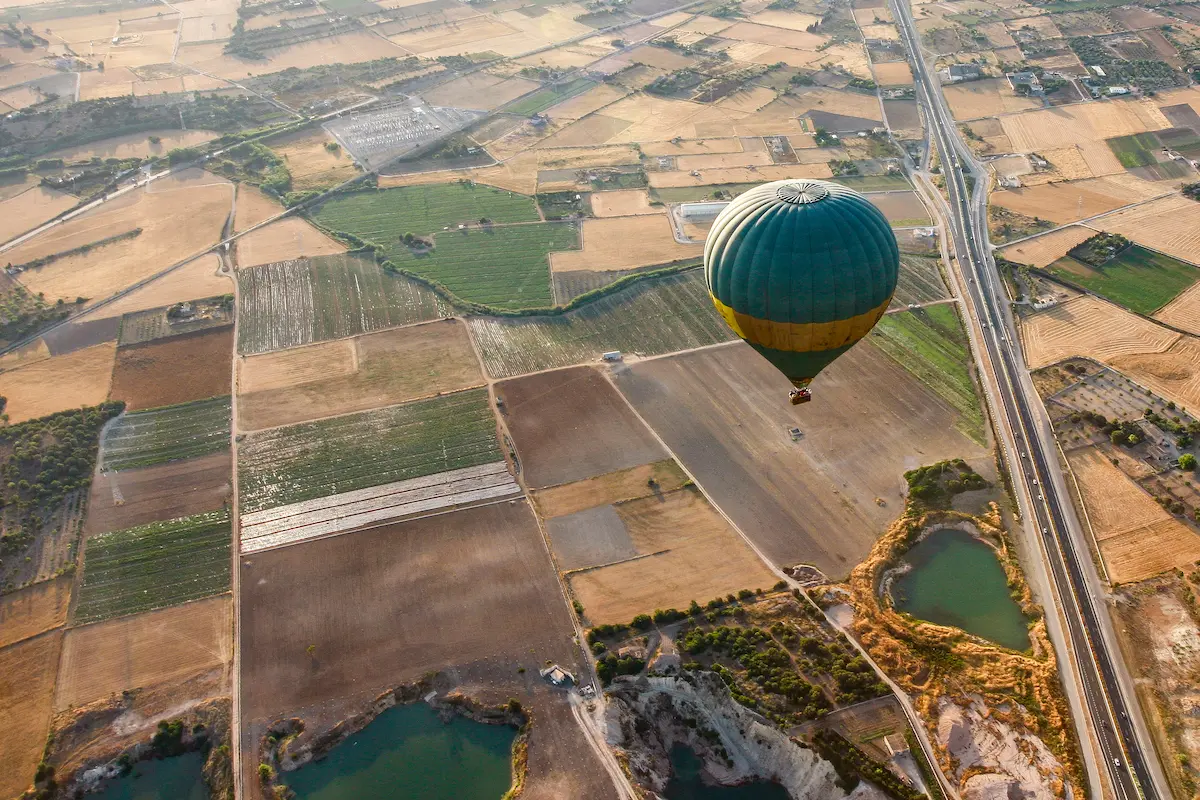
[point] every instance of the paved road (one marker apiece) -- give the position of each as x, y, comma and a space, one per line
1034, 469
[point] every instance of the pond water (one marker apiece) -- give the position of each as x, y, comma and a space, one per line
179, 778
409, 752
687, 784
957, 580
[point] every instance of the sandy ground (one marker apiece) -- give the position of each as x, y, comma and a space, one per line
347, 375
31, 208
621, 243
622, 203
985, 98
1070, 202
311, 164
179, 216
124, 499
159, 647
81, 378
1088, 326
174, 370
290, 237
135, 145
1171, 225
690, 553
724, 414
1047, 249
193, 281
1184, 311
27, 672
1067, 125
33, 610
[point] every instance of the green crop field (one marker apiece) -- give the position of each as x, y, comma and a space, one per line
383, 216
357, 451
1139, 279
657, 315
154, 566
920, 281
291, 303
167, 434
544, 98
696, 194
1136, 150
931, 344
504, 267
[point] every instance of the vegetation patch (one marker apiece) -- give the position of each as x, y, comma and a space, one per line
154, 566
934, 486
1136, 150
357, 451
23, 314
931, 344
544, 98
167, 434
1138, 279
83, 249
176, 320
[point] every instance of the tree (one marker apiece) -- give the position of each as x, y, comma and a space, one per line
1116, 436
265, 772
1187, 461
1134, 439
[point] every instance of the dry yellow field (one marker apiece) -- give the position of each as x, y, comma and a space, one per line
158, 647
766, 54
623, 203
1184, 311
1171, 225
135, 145
611, 487
851, 104
1048, 248
758, 158
869, 16
56, 384
985, 98
1070, 202
1144, 552
36, 609
893, 73
113, 82
290, 237
791, 20
581, 105
348, 375
611, 155
479, 90
777, 172
748, 101
27, 672
1173, 373
692, 147
179, 216
881, 31
1066, 126
462, 35
253, 207
997, 35
762, 34
194, 280
624, 243
516, 174
31, 208
1088, 326
37, 350
313, 166
689, 553
348, 48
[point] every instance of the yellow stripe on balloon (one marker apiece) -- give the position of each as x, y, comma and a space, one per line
800, 337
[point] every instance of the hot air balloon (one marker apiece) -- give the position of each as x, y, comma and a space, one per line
801, 270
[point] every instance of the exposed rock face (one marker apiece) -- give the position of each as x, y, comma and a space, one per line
648, 717
993, 760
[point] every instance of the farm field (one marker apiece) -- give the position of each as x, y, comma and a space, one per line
81, 378
920, 281
517, 273
1173, 373
689, 552
654, 316
368, 613
624, 242
311, 164
171, 433
27, 673
178, 217
623, 202
198, 278
288, 238
33, 610
176, 370
1066, 126
1170, 225
931, 344
167, 646
31, 208
154, 566
985, 98
1045, 250
357, 451
293, 303
125, 499
903, 209
1184, 311
346, 375
1087, 326
383, 216
789, 495
1071, 201
1138, 279
155, 323
611, 487
135, 145
572, 424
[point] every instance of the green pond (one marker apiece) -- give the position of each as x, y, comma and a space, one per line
179, 778
687, 784
957, 580
409, 752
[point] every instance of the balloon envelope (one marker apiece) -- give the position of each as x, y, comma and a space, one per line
801, 270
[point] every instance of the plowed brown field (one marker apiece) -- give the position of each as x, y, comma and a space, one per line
174, 370
120, 500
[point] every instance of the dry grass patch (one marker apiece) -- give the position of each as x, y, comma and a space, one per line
311, 163
480, 90
613, 487
665, 180
31, 208
622, 243
1184, 311
348, 48
1075, 200
81, 378
1090, 327
289, 238
779, 37
33, 610
348, 375
178, 215
166, 646
1143, 552
253, 207
1066, 126
623, 203
175, 370
691, 147
1045, 250
757, 158
1170, 224
985, 98
27, 672
590, 101
26, 354
1115, 503
135, 145
196, 279
686, 552
791, 20
893, 73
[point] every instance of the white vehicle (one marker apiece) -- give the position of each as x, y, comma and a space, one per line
1117, 763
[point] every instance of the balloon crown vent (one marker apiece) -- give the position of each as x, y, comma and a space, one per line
802, 194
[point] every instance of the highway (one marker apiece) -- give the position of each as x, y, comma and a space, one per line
1034, 468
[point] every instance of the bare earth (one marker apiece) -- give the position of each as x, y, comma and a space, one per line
174, 370
164, 491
